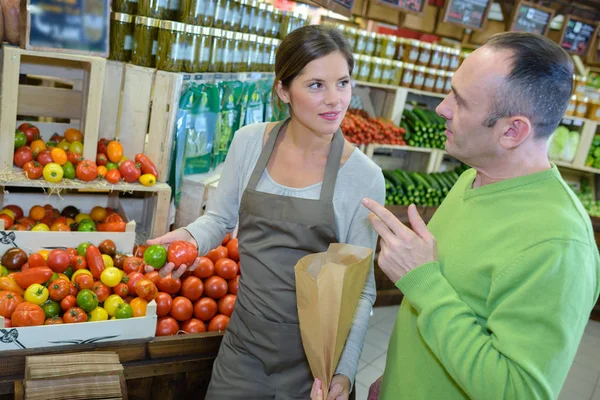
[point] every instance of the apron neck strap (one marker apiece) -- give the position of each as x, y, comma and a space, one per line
331, 170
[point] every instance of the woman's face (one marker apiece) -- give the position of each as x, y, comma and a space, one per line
319, 96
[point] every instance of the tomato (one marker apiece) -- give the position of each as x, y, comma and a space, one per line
112, 303
44, 157
153, 276
102, 145
86, 171
101, 159
146, 289
156, 256
18, 211
119, 260
166, 326
192, 287
226, 268
233, 285
218, 253
226, 239
9, 302
76, 147
121, 289
28, 277
59, 156
59, 260
73, 135
102, 291
164, 302
53, 172
63, 145
193, 325
146, 165
124, 311
84, 281
102, 171
8, 221
51, 309
111, 276
138, 250
59, 289
111, 166
232, 249
28, 314
75, 315
74, 158
13, 258
20, 139
69, 170
37, 146
36, 294
113, 176
147, 180
139, 307
215, 287
87, 299
54, 321
226, 304
108, 261
205, 309
181, 252
31, 132
22, 156
94, 261
130, 171
114, 151
86, 225
132, 279
78, 263
33, 169
218, 323
81, 249
68, 302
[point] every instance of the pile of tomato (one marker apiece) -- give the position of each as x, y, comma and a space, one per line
97, 283
61, 157
48, 218
359, 128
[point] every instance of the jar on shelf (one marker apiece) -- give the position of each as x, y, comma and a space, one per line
582, 108
580, 83
430, 78
411, 52
445, 63
261, 17
436, 56
365, 71
251, 60
125, 6
378, 44
231, 20
400, 48
153, 8
352, 36
370, 46
193, 12
266, 54
408, 76
244, 23
358, 62
376, 70
145, 41
387, 76
210, 12
397, 67
419, 79
448, 84
388, 47
221, 13
274, 23
361, 42
121, 37
287, 23
228, 48
595, 111
171, 51
172, 13
572, 106
193, 38
454, 60
244, 52
440, 81
424, 54
217, 51
261, 53
274, 46
237, 52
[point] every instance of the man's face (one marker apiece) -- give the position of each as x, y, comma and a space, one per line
468, 105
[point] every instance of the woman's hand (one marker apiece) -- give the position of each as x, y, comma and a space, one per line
316, 393
167, 239
338, 390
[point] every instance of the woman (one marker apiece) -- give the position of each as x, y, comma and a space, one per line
297, 187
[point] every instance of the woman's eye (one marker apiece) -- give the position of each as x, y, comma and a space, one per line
316, 85
343, 84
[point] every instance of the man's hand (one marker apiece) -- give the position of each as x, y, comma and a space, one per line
338, 390
374, 389
402, 249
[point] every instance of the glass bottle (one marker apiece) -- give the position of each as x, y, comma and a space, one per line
365, 71
436, 56
448, 85
145, 41
430, 78
398, 67
153, 8
216, 51
244, 16
121, 37
361, 42
370, 47
376, 71
425, 54
445, 63
408, 75
411, 52
454, 60
172, 48
419, 79
352, 35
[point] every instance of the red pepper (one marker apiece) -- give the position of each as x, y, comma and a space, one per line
148, 166
33, 275
94, 261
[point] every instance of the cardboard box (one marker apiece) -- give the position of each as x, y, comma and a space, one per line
32, 337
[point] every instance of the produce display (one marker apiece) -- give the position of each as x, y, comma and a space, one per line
61, 158
593, 158
563, 144
585, 195
404, 188
95, 283
359, 128
424, 128
48, 218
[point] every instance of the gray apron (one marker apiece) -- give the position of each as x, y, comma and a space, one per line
261, 355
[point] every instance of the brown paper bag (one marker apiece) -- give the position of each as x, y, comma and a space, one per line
328, 287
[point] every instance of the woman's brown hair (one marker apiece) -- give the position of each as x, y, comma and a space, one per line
302, 46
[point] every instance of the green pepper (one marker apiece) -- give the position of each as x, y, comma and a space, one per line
20, 139
51, 308
156, 256
82, 248
69, 170
124, 311
87, 300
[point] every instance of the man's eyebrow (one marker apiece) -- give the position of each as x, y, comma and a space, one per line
458, 96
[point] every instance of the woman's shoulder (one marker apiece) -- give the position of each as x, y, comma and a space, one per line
358, 161
361, 175
251, 132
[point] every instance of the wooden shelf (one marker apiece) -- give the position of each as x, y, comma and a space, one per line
575, 168
424, 93
393, 87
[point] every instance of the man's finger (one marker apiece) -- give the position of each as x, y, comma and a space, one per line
194, 265
166, 270
380, 227
148, 268
417, 223
387, 217
335, 391
179, 271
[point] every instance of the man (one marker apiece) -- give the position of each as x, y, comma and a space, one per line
499, 287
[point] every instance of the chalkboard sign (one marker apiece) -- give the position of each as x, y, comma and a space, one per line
467, 13
66, 26
406, 6
577, 35
529, 17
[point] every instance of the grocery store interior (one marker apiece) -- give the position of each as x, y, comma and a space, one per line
122, 114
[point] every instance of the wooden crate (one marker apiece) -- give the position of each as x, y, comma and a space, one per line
139, 107
194, 196
79, 105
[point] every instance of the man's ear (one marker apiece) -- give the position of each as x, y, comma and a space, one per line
516, 131
282, 92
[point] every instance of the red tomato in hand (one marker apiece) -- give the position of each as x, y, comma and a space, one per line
132, 279
218, 323
166, 326
130, 171
218, 253
164, 302
205, 269
86, 171
205, 309
233, 285
232, 249
181, 252
192, 288
59, 260
215, 287
168, 284
182, 309
22, 156
226, 268
133, 264
226, 304
193, 325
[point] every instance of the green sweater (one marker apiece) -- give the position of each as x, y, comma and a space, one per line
501, 313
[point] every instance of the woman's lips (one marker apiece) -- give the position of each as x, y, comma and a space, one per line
330, 116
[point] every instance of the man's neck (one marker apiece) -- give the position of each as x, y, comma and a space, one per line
510, 168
